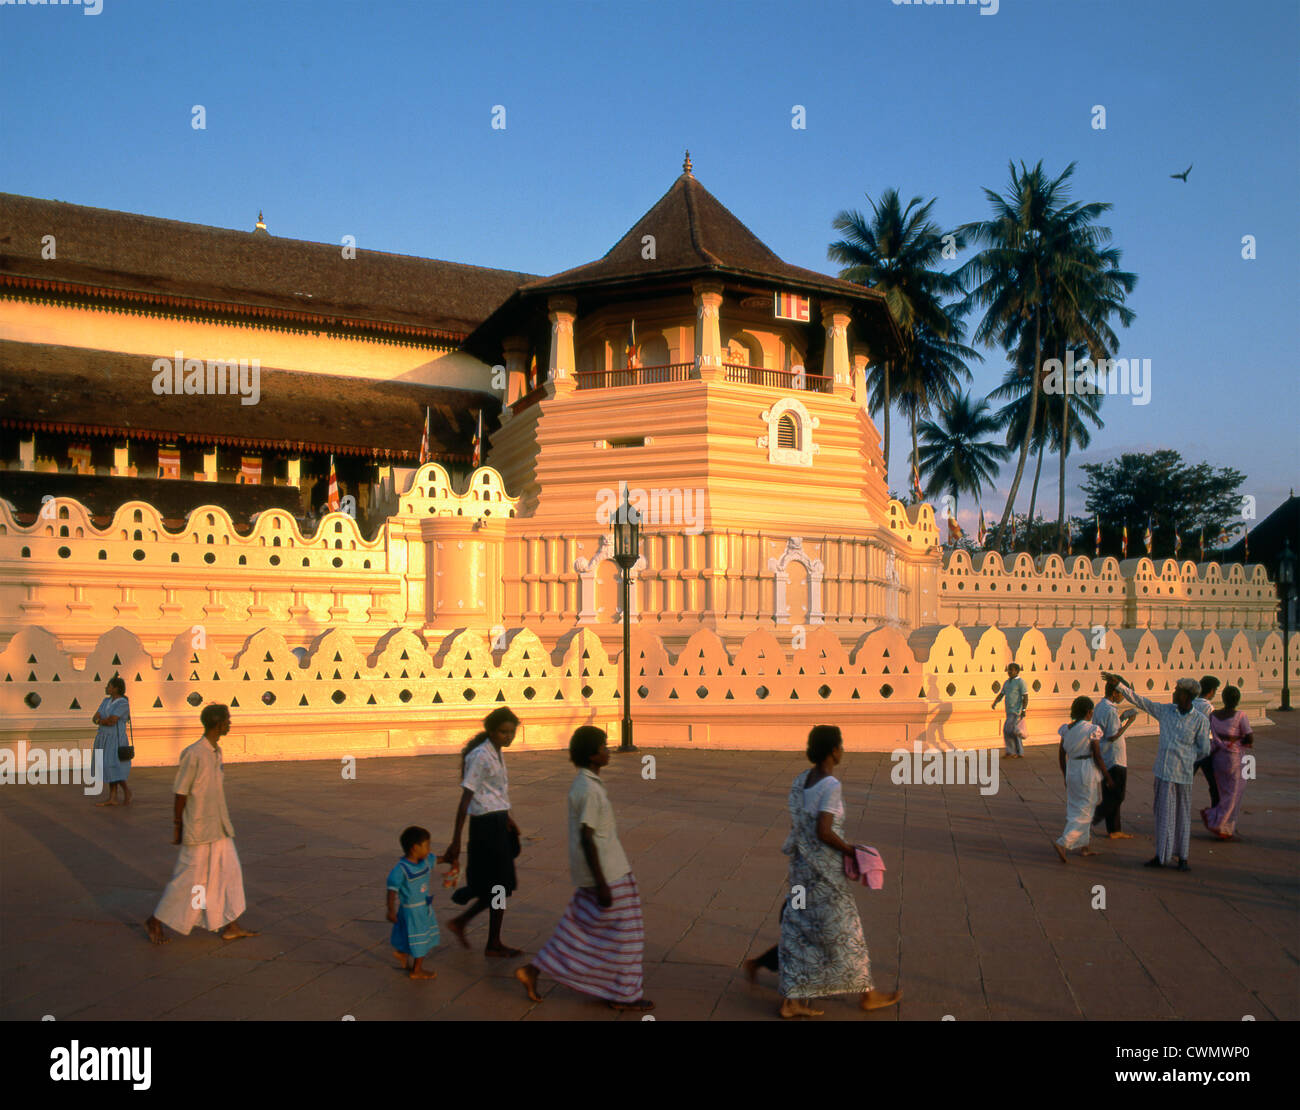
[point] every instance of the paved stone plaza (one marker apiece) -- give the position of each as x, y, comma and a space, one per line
978, 918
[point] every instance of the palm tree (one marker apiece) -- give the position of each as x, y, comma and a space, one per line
955, 454
1043, 270
936, 371
895, 252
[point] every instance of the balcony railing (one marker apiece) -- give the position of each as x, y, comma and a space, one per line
684, 371
779, 379
640, 375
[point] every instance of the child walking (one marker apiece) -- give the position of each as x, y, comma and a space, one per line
1083, 768
410, 904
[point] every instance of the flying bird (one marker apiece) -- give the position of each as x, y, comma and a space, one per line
1182, 176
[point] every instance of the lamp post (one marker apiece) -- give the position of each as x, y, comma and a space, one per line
627, 549
1286, 584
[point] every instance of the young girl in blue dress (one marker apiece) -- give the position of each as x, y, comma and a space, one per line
410, 904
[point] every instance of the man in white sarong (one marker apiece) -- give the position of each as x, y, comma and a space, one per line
207, 886
1184, 738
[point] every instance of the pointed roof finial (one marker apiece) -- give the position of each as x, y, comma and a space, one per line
261, 223
686, 165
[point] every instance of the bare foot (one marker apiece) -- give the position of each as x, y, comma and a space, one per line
457, 929
641, 1005
528, 976
501, 951
126, 798
794, 1008
423, 973
875, 1000
1089, 852
235, 931
1060, 852
110, 802
155, 930
1120, 836
402, 959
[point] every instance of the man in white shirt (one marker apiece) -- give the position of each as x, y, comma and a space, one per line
1205, 704
599, 944
1115, 757
207, 885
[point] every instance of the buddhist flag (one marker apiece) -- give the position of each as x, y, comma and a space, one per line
790, 306
1123, 544
631, 345
1069, 538
424, 439
1097, 541
333, 499
478, 439
916, 481
169, 462
1245, 546
250, 470
1146, 536
955, 532
983, 528
1178, 541
1202, 543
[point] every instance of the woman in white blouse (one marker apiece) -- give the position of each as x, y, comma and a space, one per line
493, 834
822, 950
1084, 771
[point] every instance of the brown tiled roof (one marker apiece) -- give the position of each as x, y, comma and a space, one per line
693, 231
142, 259
105, 393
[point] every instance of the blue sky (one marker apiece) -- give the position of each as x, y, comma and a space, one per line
374, 119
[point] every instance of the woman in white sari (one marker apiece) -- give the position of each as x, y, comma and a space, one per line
1084, 771
822, 950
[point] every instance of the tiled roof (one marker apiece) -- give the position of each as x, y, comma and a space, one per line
145, 259
693, 231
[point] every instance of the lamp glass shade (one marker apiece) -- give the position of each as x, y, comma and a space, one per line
627, 532
1286, 567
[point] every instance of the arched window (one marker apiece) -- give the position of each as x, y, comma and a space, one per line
787, 432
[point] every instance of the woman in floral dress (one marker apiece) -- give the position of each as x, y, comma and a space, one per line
822, 950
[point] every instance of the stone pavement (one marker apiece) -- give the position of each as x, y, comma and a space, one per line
978, 918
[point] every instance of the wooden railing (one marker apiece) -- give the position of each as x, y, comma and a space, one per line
528, 399
684, 371
779, 379
640, 375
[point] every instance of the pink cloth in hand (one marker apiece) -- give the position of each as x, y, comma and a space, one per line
866, 867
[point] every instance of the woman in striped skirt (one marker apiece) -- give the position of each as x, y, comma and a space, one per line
599, 944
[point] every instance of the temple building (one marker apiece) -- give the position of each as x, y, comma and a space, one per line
173, 396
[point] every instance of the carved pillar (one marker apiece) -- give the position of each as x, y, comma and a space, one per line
708, 331
563, 311
835, 360
861, 359
515, 351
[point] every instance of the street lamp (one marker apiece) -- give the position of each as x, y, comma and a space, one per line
627, 549
1285, 584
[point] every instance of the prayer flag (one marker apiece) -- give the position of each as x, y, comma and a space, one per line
790, 306
1123, 544
916, 481
169, 462
955, 532
983, 528
250, 470
1178, 541
333, 500
1097, 544
1146, 536
424, 439
478, 439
